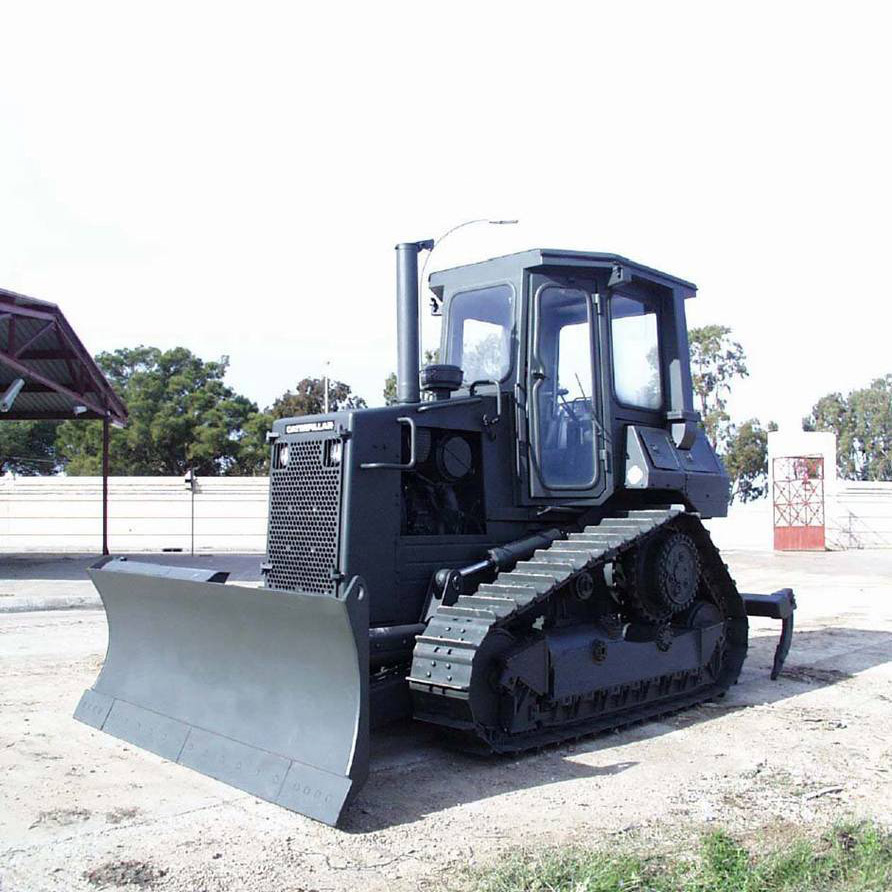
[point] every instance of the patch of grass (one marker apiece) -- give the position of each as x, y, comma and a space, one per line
850, 858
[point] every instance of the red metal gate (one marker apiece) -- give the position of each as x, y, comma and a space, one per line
798, 503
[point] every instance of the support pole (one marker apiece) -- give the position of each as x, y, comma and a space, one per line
105, 485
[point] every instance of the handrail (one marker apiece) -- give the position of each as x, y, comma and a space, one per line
486, 420
395, 466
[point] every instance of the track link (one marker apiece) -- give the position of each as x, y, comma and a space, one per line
459, 638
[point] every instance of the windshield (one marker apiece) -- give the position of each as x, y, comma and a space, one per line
479, 336
636, 353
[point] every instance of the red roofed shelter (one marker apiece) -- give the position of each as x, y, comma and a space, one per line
46, 373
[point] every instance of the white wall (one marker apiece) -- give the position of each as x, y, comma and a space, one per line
859, 515
64, 514
749, 527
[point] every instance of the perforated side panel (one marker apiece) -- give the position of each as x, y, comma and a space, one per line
304, 512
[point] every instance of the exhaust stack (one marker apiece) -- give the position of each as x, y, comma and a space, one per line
408, 389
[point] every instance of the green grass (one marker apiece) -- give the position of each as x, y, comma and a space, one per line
851, 858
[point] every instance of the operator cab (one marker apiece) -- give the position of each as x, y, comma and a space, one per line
586, 345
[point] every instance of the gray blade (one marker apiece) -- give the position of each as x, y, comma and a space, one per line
264, 690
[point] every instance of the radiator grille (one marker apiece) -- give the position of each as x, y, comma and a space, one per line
305, 496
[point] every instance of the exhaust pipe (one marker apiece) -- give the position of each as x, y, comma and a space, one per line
408, 389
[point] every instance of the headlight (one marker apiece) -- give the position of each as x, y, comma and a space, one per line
335, 448
283, 456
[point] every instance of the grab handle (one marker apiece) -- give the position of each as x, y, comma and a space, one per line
394, 466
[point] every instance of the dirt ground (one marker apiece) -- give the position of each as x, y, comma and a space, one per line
81, 811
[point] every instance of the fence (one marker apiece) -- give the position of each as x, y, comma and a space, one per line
64, 514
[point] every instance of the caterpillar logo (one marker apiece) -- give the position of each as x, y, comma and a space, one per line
309, 427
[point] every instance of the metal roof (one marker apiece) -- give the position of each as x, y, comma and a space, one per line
39, 345
552, 257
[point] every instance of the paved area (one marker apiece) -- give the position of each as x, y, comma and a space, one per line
60, 582
81, 811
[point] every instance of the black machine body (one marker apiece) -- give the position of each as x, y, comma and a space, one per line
564, 396
513, 552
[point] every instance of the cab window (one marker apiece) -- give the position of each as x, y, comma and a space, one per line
479, 336
636, 353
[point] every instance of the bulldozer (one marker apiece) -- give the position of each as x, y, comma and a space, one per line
513, 553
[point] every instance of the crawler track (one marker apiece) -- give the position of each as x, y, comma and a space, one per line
454, 677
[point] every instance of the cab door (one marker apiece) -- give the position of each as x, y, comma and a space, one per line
564, 393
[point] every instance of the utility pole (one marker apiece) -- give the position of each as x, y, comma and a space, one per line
191, 480
325, 387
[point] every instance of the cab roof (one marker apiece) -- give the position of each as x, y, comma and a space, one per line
512, 265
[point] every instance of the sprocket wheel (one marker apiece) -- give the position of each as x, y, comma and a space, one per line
663, 578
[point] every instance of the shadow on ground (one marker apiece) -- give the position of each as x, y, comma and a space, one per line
409, 763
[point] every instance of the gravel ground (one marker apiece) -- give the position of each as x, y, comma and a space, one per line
82, 811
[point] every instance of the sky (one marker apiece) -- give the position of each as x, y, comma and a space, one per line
233, 177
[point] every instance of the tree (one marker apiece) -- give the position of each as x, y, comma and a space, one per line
716, 361
389, 393
862, 422
308, 398
254, 449
745, 458
484, 360
182, 415
27, 448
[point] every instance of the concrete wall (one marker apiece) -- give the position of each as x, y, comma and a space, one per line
64, 514
859, 515
747, 527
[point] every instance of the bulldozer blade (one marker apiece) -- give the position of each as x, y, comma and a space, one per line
264, 690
